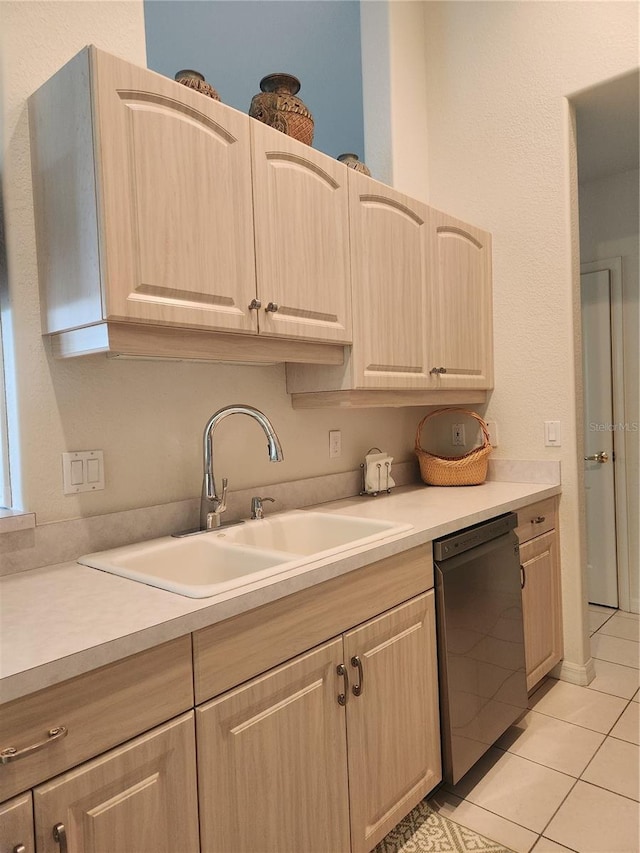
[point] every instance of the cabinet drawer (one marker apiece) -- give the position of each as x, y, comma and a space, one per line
230, 652
536, 519
16, 825
100, 709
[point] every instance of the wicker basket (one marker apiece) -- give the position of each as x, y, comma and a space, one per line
467, 470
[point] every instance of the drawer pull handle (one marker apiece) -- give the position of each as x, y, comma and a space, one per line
342, 697
538, 519
357, 688
523, 576
19, 848
12, 754
60, 836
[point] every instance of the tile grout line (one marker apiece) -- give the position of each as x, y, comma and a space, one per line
577, 725
564, 799
546, 766
609, 791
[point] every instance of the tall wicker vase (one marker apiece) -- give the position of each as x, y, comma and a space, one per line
277, 106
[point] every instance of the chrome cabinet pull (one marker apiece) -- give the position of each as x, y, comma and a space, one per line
438, 370
19, 848
272, 306
538, 519
357, 688
60, 837
255, 304
12, 754
523, 576
342, 697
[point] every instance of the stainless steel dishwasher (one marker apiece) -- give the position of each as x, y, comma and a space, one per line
483, 687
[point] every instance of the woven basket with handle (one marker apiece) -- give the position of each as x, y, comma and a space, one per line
467, 470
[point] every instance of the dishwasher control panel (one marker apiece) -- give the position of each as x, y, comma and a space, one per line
471, 537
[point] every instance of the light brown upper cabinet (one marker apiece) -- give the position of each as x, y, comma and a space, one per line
389, 275
389, 280
302, 239
156, 196
144, 210
421, 289
460, 343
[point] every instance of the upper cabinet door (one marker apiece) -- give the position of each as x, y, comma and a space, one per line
389, 274
302, 239
461, 342
174, 196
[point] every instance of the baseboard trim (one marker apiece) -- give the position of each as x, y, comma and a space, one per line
575, 673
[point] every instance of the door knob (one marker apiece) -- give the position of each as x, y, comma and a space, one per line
603, 456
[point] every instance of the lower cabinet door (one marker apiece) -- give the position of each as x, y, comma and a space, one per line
138, 798
393, 725
272, 769
541, 605
16, 825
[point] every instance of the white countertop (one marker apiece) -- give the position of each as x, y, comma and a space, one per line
63, 620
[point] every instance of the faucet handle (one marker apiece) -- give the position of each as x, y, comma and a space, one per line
256, 506
223, 498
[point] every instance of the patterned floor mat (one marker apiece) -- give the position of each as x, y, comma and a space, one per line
425, 831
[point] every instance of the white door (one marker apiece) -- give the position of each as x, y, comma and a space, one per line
602, 573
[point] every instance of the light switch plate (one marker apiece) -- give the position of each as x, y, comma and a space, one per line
82, 471
552, 434
335, 443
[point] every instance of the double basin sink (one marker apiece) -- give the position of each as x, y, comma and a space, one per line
231, 557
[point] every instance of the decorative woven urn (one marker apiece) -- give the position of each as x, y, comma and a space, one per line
351, 160
277, 106
195, 80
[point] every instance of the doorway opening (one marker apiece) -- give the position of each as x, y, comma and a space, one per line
607, 124
604, 433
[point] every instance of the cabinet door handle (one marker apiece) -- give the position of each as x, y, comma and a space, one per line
438, 370
538, 519
19, 848
342, 697
523, 576
357, 688
272, 306
255, 304
60, 837
12, 754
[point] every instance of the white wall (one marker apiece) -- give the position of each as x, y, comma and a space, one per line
609, 228
499, 153
148, 417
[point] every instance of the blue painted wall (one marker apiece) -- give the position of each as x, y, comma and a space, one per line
235, 43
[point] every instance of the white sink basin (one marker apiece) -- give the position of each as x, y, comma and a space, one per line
309, 533
197, 567
210, 563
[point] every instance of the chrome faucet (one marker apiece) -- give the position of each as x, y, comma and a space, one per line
213, 504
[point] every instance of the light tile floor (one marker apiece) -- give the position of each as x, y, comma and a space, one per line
566, 776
